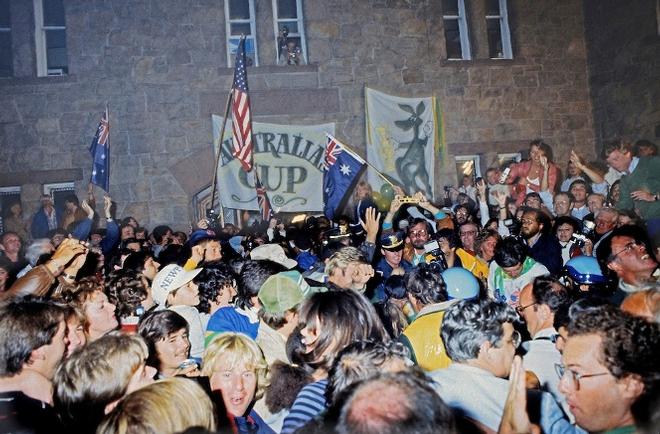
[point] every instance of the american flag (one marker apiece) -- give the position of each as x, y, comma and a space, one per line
240, 111
262, 198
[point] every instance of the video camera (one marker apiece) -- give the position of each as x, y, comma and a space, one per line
434, 256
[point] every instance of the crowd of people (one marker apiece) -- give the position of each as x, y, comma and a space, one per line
523, 302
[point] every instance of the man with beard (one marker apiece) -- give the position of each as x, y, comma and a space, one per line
543, 247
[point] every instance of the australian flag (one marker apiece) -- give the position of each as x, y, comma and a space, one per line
100, 150
342, 169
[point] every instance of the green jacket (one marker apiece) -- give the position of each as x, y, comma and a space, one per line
646, 176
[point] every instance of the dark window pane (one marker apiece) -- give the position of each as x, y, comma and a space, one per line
249, 50
494, 39
238, 29
6, 59
450, 7
60, 195
492, 7
286, 9
453, 38
239, 9
292, 26
56, 49
53, 13
5, 21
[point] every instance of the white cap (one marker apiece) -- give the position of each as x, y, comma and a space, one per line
272, 252
169, 279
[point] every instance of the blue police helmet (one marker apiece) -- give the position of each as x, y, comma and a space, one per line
585, 270
460, 283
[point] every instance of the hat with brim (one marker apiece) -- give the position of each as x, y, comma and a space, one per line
169, 279
272, 252
392, 242
283, 291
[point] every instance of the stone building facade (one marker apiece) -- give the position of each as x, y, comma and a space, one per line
162, 67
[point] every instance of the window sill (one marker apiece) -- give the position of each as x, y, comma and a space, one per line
49, 79
274, 69
460, 63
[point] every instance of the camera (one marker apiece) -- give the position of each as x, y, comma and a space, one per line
579, 239
588, 227
447, 188
212, 218
434, 256
513, 225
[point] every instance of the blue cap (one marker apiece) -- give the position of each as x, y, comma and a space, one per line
200, 235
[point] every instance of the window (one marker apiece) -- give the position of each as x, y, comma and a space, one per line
289, 32
497, 26
59, 191
240, 21
6, 59
8, 197
467, 165
50, 37
456, 30
507, 159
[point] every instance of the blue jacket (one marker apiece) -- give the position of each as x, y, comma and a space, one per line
547, 251
39, 226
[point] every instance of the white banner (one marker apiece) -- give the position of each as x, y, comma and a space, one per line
402, 136
289, 159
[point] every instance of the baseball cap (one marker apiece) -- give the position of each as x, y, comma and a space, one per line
201, 235
272, 252
169, 279
282, 291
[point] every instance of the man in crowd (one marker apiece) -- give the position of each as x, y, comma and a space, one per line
46, 219
10, 246
562, 204
579, 190
468, 233
606, 220
609, 364
543, 246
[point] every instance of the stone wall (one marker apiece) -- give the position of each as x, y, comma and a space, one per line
624, 68
162, 68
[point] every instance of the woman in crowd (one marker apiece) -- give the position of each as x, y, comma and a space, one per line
332, 320
236, 367
166, 335
537, 174
484, 244
88, 297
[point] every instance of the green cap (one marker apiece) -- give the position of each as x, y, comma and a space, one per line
282, 291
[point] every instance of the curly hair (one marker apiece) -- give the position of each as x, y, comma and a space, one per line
211, 281
629, 344
127, 290
426, 284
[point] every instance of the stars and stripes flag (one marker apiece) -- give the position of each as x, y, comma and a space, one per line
341, 171
100, 150
240, 111
262, 199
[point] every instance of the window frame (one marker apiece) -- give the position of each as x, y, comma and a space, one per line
301, 30
7, 29
40, 42
474, 158
253, 36
463, 31
505, 31
53, 187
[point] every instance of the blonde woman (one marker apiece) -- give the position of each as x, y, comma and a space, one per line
236, 366
167, 406
87, 295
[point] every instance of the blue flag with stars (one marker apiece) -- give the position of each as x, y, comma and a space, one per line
342, 169
100, 150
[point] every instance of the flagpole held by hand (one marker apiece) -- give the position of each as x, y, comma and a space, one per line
348, 149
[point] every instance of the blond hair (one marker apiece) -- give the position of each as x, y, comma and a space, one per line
228, 350
167, 406
342, 258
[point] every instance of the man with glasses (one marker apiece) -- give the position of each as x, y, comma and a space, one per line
480, 340
467, 233
538, 303
609, 364
624, 254
419, 233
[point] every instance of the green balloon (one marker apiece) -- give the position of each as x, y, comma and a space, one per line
387, 191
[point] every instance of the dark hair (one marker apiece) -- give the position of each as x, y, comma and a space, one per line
359, 361
449, 235
583, 301
563, 220
510, 251
126, 290
547, 150
285, 383
395, 287
583, 182
541, 217
135, 260
469, 323
72, 198
418, 220
420, 409
426, 284
159, 232
158, 325
253, 275
621, 145
25, 324
549, 291
343, 317
629, 344
643, 143
211, 281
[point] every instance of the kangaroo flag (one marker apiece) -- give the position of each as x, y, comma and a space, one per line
240, 111
342, 169
262, 198
100, 150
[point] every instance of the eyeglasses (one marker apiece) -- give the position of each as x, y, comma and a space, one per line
466, 233
626, 249
419, 233
573, 378
527, 221
521, 309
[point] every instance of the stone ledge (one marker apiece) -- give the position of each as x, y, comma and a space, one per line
40, 177
497, 146
51, 79
483, 62
273, 69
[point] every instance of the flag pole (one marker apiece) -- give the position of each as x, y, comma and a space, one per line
217, 158
365, 161
107, 146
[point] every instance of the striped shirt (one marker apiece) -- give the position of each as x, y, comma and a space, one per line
309, 403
